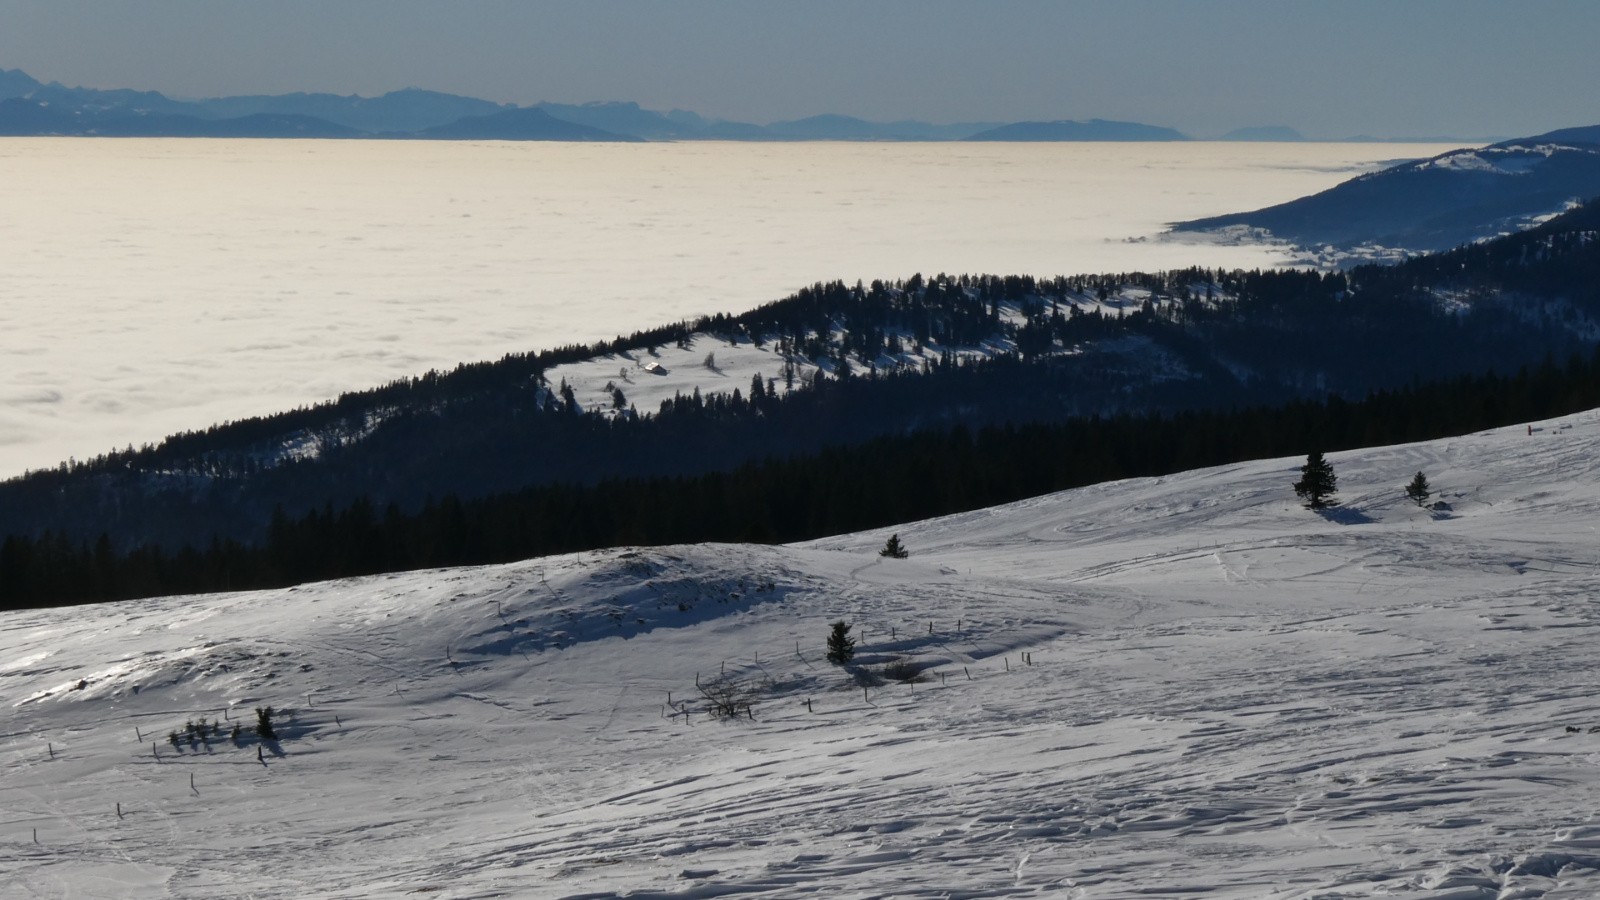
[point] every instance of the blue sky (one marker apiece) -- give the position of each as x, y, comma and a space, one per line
1329, 68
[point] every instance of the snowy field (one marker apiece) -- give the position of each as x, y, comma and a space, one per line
155, 286
1176, 687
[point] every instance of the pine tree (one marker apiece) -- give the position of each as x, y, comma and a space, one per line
264, 724
893, 549
841, 646
1317, 482
1418, 489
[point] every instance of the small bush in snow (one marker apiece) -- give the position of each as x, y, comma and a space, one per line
893, 549
729, 698
902, 670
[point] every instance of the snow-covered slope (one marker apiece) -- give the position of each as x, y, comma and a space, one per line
1465, 195
1187, 686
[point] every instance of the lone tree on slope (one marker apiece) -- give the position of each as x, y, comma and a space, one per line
841, 646
1418, 489
893, 549
264, 724
1317, 482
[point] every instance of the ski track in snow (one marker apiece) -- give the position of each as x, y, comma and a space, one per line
1169, 687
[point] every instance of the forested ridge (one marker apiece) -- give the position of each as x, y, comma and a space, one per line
1062, 352
883, 481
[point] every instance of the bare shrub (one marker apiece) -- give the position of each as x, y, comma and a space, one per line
902, 670
730, 698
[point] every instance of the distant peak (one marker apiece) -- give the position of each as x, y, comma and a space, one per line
1266, 133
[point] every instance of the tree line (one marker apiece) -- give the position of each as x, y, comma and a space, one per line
889, 479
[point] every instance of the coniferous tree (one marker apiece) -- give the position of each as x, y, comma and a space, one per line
893, 549
1418, 489
1317, 481
264, 724
841, 646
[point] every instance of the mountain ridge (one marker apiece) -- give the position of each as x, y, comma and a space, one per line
1434, 204
1070, 130
424, 114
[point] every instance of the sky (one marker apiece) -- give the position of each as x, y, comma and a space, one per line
1332, 68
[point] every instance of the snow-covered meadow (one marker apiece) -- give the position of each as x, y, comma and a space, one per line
1184, 686
154, 286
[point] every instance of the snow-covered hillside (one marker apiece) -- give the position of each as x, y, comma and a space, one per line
1462, 196
707, 363
1186, 686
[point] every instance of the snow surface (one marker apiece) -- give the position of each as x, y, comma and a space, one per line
1181, 686
1515, 159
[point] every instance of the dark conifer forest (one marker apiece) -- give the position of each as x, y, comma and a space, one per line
492, 462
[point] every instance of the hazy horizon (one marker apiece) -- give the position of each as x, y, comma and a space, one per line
1431, 67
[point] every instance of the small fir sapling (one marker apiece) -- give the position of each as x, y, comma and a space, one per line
264, 724
1418, 490
841, 647
1317, 482
893, 549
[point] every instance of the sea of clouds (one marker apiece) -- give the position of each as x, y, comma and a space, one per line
153, 286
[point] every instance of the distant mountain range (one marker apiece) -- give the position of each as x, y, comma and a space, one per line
1092, 130
1434, 204
30, 107
1264, 133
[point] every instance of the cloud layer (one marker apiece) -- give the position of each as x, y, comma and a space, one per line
157, 286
